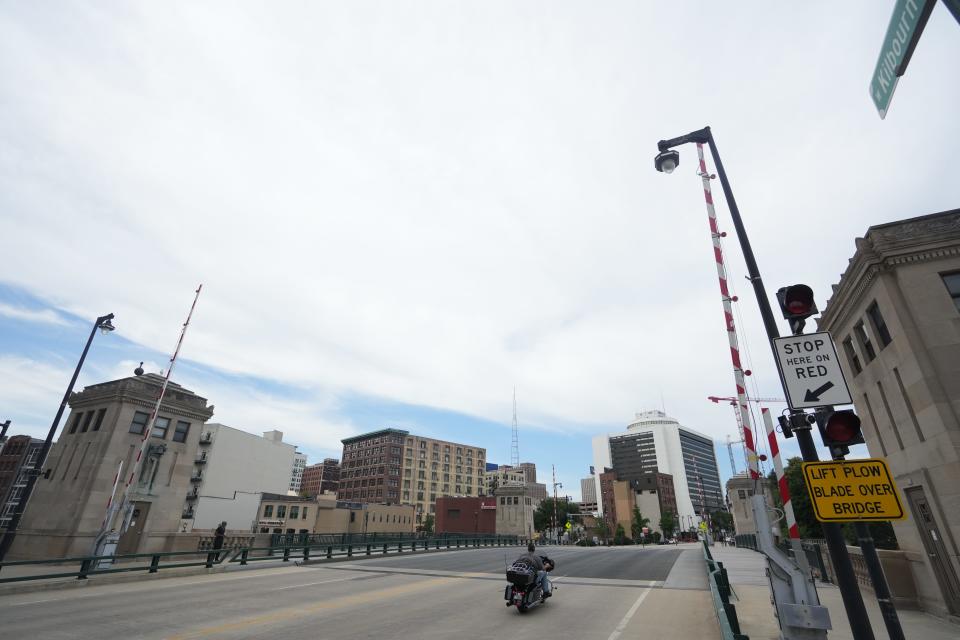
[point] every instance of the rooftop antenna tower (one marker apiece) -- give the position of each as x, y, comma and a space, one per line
515, 443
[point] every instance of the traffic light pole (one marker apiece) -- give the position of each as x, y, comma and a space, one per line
846, 578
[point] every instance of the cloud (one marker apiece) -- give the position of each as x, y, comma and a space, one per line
45, 316
436, 204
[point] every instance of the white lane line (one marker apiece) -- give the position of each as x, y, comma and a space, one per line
310, 584
626, 619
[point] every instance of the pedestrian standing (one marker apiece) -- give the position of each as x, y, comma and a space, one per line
218, 535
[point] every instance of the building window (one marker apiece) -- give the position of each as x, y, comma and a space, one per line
76, 422
294, 512
160, 426
353, 516
139, 424
281, 511
267, 511
860, 330
99, 420
852, 356
303, 516
180, 431
883, 334
952, 280
87, 421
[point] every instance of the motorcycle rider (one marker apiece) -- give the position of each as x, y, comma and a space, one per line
539, 564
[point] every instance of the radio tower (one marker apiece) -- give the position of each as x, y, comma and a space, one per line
515, 443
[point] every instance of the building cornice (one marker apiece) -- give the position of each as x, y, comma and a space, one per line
887, 247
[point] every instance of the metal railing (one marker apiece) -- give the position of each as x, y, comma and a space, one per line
278, 539
820, 568
91, 565
720, 589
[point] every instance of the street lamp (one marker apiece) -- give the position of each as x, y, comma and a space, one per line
846, 579
105, 326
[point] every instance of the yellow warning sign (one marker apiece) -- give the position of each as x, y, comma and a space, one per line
852, 490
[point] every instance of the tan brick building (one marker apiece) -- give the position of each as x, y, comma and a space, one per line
393, 466
324, 514
895, 316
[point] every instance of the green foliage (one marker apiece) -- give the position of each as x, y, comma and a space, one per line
620, 537
656, 537
668, 524
881, 532
721, 520
638, 523
603, 529
427, 526
543, 516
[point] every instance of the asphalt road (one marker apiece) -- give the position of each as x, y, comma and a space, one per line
601, 593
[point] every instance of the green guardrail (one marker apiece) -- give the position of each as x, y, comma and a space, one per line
720, 589
244, 555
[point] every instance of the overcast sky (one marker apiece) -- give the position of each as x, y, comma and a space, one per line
401, 211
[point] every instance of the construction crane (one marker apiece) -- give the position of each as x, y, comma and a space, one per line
733, 403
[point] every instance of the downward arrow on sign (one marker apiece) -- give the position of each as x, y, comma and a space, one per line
813, 396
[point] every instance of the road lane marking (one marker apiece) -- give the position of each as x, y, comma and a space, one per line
626, 619
283, 615
310, 584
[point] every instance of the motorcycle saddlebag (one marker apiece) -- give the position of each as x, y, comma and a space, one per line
521, 575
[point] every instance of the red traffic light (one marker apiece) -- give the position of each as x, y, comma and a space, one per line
841, 429
798, 300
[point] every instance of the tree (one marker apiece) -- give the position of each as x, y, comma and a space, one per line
721, 521
603, 529
668, 523
543, 516
427, 526
638, 523
620, 537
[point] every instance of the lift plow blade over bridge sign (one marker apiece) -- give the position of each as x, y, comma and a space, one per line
811, 371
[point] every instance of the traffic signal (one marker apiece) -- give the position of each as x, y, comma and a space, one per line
839, 428
797, 304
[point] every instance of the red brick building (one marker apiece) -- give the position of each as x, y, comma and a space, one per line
466, 515
370, 467
320, 477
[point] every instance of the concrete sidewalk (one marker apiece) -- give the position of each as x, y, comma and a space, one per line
746, 570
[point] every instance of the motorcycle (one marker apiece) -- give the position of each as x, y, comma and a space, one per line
524, 591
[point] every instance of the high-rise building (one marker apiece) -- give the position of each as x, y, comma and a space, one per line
588, 495
370, 467
296, 472
18, 457
655, 442
321, 477
895, 315
104, 429
371, 470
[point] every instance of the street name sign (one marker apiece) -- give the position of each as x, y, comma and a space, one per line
853, 490
906, 25
811, 371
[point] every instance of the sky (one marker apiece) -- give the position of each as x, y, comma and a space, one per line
401, 212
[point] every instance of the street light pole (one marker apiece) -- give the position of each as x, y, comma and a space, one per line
667, 160
103, 323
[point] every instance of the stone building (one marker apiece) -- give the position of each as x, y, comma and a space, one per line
740, 491
895, 316
515, 508
104, 429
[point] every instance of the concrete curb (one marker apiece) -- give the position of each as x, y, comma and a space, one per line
59, 584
